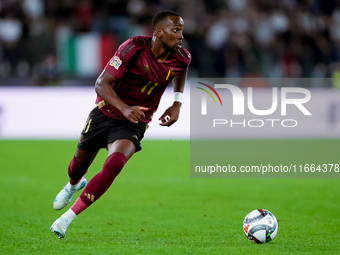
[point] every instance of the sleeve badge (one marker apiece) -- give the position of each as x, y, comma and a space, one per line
115, 62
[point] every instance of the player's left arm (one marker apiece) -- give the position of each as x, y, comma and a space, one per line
171, 115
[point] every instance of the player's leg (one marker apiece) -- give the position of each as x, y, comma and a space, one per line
118, 153
79, 164
92, 138
76, 170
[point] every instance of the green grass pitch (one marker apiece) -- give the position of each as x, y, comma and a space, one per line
154, 207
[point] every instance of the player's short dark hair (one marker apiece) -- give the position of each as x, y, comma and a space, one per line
160, 16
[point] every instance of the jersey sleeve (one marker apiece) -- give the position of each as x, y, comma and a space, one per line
117, 66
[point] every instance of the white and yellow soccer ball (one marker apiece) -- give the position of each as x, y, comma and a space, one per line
260, 226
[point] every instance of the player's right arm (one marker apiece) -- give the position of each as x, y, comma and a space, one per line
104, 90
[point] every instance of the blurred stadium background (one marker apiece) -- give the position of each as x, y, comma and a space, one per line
46, 42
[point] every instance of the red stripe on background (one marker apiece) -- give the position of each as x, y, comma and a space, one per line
108, 47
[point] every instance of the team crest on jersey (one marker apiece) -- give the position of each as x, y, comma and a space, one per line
115, 62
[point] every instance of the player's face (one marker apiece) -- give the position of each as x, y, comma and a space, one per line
172, 32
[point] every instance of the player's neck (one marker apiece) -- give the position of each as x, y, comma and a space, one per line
160, 53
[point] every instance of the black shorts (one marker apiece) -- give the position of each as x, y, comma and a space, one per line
101, 130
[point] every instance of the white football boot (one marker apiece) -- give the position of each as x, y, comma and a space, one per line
65, 196
60, 226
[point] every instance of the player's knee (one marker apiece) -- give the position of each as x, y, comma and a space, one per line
75, 164
115, 161
76, 170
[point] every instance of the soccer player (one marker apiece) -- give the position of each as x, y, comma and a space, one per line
128, 93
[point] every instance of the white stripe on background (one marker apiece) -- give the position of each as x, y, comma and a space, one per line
87, 55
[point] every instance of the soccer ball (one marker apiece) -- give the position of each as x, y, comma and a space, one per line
260, 226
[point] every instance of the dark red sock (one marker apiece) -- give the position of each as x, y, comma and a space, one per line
97, 186
76, 170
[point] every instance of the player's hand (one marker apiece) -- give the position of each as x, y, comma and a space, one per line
171, 115
134, 113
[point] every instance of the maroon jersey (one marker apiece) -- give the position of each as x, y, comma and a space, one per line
141, 79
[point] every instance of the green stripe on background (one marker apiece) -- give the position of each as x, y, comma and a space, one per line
66, 54
71, 52
62, 46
